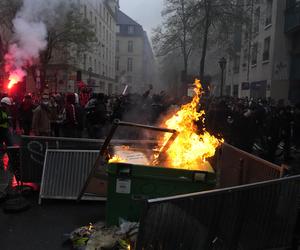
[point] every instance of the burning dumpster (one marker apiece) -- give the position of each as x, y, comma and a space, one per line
178, 165
129, 186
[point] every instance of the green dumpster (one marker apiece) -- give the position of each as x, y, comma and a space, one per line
129, 185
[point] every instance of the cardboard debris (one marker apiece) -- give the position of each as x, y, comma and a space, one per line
131, 156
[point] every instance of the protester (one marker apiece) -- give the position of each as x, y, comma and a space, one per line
54, 117
26, 114
5, 135
70, 122
41, 118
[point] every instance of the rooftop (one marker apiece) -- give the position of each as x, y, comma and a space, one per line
122, 18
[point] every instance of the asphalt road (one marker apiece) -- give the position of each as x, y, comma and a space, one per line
44, 227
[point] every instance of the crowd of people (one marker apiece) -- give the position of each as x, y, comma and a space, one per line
241, 122
271, 128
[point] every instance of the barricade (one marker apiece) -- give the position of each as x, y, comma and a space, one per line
236, 167
33, 150
253, 216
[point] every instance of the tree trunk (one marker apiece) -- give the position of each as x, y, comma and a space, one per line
204, 47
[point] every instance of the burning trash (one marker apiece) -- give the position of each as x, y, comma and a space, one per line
188, 149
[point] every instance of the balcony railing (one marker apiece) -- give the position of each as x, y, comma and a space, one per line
292, 18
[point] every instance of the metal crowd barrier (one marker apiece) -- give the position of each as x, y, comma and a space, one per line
33, 150
236, 167
254, 216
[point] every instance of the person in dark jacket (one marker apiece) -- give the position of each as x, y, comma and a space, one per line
96, 115
70, 122
26, 113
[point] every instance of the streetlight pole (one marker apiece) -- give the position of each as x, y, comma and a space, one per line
222, 64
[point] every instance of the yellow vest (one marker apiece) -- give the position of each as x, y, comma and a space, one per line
3, 119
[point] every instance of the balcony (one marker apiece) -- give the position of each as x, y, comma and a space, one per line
292, 18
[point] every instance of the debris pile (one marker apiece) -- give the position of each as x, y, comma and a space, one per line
98, 236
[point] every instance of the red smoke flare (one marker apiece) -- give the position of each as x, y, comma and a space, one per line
13, 79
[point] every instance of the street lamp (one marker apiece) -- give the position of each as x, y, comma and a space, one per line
222, 64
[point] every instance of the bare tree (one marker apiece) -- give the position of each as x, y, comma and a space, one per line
220, 18
8, 10
175, 35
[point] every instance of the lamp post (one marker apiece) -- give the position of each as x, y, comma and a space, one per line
222, 64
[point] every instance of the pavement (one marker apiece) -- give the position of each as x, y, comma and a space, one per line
46, 227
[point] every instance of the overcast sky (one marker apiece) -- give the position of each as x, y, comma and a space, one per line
145, 12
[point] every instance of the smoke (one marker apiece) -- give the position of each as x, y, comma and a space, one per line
30, 35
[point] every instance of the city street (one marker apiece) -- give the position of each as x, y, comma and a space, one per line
183, 115
47, 227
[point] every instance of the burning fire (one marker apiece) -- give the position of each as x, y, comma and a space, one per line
116, 158
190, 149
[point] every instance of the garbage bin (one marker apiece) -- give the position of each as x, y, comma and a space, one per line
129, 185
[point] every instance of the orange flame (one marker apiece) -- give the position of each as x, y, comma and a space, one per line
116, 158
190, 149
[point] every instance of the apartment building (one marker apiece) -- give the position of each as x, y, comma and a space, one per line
95, 68
292, 30
260, 68
135, 64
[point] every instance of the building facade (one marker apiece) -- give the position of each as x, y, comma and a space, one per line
292, 29
135, 65
260, 67
95, 68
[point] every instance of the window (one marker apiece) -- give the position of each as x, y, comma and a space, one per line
130, 29
84, 61
90, 62
117, 45
236, 64
266, 54
117, 64
100, 29
254, 54
118, 28
96, 23
85, 11
130, 46
110, 88
102, 86
256, 21
129, 64
129, 79
269, 12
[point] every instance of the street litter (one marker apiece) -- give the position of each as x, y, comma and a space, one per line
98, 236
